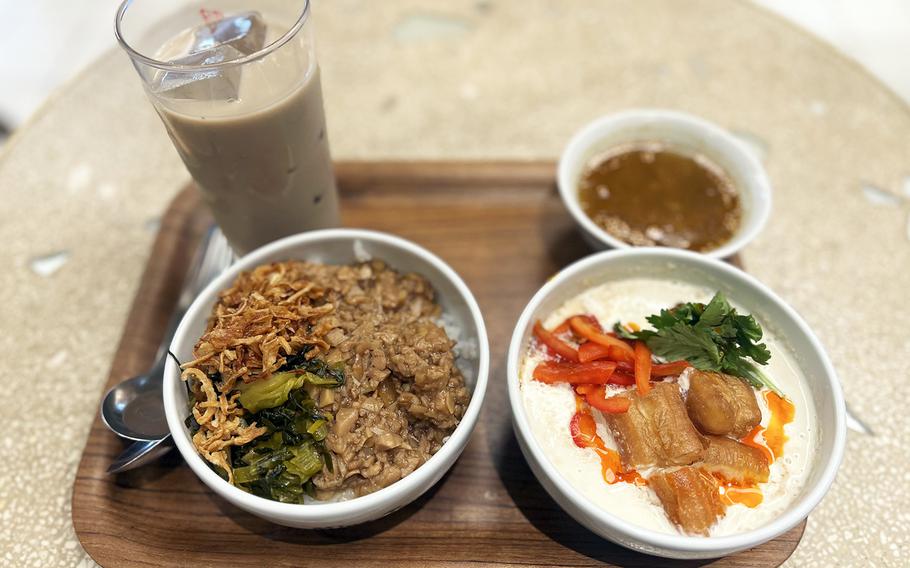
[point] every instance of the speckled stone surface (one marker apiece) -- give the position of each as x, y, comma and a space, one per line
84, 182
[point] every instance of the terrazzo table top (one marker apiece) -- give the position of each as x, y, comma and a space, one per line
85, 181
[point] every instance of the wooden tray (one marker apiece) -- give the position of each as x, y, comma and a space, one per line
502, 226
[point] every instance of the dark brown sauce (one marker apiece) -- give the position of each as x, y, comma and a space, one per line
648, 195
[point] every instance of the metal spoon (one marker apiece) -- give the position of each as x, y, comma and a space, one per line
140, 453
133, 409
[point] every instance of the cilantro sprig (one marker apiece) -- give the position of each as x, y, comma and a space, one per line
710, 337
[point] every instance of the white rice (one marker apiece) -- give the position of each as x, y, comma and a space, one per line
467, 350
360, 252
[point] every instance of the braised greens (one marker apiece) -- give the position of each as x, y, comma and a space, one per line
274, 391
330, 375
281, 463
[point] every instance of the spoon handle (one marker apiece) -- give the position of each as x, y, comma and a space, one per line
138, 454
212, 257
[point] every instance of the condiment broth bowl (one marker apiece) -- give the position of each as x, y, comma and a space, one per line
681, 132
755, 298
339, 246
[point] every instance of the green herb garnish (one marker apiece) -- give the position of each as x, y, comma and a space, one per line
710, 337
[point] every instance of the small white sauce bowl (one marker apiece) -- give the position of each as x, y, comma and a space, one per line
686, 133
755, 298
337, 246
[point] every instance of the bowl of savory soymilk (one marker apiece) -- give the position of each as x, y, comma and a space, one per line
673, 404
654, 177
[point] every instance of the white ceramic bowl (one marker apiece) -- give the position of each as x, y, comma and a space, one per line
755, 298
337, 246
684, 132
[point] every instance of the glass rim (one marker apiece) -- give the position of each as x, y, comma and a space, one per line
171, 66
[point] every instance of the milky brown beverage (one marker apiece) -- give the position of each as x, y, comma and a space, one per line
254, 139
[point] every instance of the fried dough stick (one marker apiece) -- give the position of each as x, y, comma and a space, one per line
689, 497
656, 431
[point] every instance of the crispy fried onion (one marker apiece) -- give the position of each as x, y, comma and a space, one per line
220, 419
268, 314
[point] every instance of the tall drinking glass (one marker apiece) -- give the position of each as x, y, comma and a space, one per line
236, 84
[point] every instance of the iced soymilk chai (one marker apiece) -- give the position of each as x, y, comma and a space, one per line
251, 130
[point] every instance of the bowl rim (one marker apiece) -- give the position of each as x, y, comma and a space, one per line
416, 480
713, 135
677, 543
